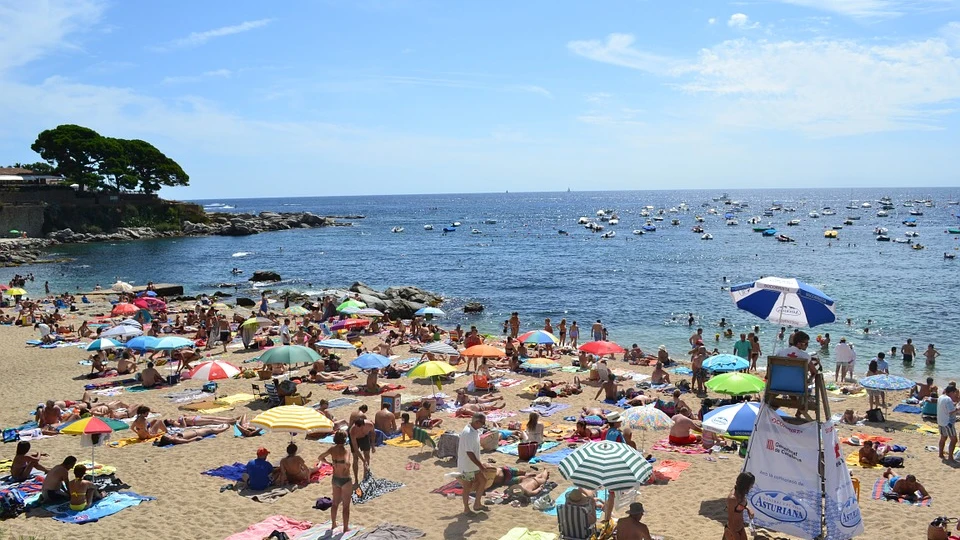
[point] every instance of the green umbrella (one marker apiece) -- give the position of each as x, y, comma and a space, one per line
289, 354
611, 465
14, 231
736, 384
351, 303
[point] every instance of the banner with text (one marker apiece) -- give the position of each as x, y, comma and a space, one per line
842, 509
783, 458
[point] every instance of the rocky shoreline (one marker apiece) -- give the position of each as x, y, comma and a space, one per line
19, 251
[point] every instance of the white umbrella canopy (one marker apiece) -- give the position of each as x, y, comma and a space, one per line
439, 347
606, 464
122, 331
122, 287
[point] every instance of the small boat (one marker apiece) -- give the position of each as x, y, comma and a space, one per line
601, 213
830, 234
455, 224
880, 230
917, 247
866, 205
814, 215
428, 227
754, 220
910, 222
828, 212
562, 232
449, 229
583, 221
949, 255
658, 218
760, 228
883, 238
793, 222
236, 271
916, 212
953, 230
837, 227
644, 213
608, 234
707, 236
614, 221
649, 227
848, 222
768, 213
397, 229
490, 221
697, 229
476, 231
855, 218
672, 210
674, 221
911, 234
901, 241
882, 213
637, 232
732, 222
784, 238
770, 232
952, 203
699, 219
908, 204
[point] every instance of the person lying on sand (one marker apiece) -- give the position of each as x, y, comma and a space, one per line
189, 435
200, 420
584, 431
907, 487
322, 377
530, 484
464, 398
246, 429
552, 389
114, 409
468, 410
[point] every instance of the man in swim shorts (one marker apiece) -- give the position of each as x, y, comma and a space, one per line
908, 351
680, 432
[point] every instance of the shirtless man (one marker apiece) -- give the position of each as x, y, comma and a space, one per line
293, 470
424, 418
144, 429
610, 389
659, 375
697, 337
126, 365
361, 443
49, 415
868, 455
680, 432
597, 331
908, 351
372, 386
385, 420
630, 527
54, 488
906, 487
361, 412
150, 377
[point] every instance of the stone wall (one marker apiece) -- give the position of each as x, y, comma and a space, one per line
22, 217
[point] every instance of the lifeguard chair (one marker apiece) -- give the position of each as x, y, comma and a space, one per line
788, 385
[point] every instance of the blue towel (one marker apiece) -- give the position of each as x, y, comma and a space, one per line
601, 496
546, 410
511, 449
230, 472
340, 402
107, 506
904, 408
553, 458
683, 371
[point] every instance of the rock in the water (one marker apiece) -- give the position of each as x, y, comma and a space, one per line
265, 275
472, 307
245, 302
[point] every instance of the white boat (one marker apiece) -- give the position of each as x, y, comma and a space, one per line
732, 222
683, 207
397, 229
706, 236
608, 234
882, 213
828, 212
455, 224
673, 210
866, 205
583, 220
638, 232
911, 234
658, 218
900, 241
600, 213
880, 230
814, 215
614, 221
793, 222
475, 231
644, 213
699, 219
428, 227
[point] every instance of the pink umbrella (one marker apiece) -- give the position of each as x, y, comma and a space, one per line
347, 324
213, 370
124, 309
146, 302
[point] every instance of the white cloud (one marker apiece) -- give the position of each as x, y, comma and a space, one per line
712, 21
741, 21
196, 39
533, 89
618, 50
35, 28
871, 9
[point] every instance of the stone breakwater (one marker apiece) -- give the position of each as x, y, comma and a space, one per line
18, 251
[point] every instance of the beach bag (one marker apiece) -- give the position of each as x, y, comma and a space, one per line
210, 387
875, 415
323, 503
11, 504
11, 435
893, 462
527, 450
448, 444
490, 441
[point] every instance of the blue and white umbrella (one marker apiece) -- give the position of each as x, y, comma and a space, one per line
103, 344
722, 363
890, 383
736, 420
436, 312
171, 343
335, 344
121, 331
142, 343
370, 361
785, 301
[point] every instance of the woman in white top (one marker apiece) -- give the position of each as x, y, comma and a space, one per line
534, 429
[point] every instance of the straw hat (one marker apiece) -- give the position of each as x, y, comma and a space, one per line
613, 418
576, 497
662, 347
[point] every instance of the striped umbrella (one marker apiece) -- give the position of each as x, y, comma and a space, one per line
93, 427
103, 344
606, 464
646, 418
369, 312
293, 419
539, 337
348, 324
439, 347
886, 383
213, 370
335, 344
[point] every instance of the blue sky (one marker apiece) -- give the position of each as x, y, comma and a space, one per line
390, 96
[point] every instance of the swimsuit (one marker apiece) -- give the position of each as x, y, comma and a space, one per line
363, 443
340, 481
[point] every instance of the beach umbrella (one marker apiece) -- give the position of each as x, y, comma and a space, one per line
601, 348
644, 419
290, 354
335, 344
131, 322
296, 311
539, 337
171, 343
123, 309
94, 427
14, 231
16, 291
145, 302
369, 312
483, 351
122, 287
722, 363
103, 344
785, 301
432, 368
890, 383
436, 312
4, 287
611, 465
370, 361
293, 419
142, 343
736, 384
121, 331
439, 347
151, 294
351, 303
257, 322
348, 324
736, 420
351, 310
539, 365
213, 370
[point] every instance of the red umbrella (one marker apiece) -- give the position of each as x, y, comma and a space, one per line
601, 348
347, 324
146, 302
124, 309
213, 370
3, 287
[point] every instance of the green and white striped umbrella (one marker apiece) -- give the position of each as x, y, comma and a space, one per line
606, 464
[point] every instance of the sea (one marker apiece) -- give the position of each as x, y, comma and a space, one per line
509, 254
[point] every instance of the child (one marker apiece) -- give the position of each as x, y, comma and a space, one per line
406, 427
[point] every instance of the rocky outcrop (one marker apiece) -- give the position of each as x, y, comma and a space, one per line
247, 224
472, 307
17, 251
401, 302
245, 302
265, 275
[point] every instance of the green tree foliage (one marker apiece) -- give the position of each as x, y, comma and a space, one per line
106, 163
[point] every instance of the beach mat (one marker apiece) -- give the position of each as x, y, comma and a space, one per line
372, 487
523, 533
908, 409
341, 402
546, 410
882, 487
323, 532
391, 531
235, 399
259, 531
451, 488
853, 460
511, 449
552, 458
668, 470
230, 472
127, 441
107, 506
664, 445
552, 511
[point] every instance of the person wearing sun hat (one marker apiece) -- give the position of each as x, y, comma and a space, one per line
584, 499
630, 526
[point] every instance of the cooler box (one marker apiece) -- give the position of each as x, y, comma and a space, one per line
392, 399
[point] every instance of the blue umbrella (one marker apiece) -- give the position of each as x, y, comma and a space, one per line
737, 420
142, 343
886, 382
370, 361
103, 344
170, 343
430, 311
722, 363
785, 301
151, 294
334, 344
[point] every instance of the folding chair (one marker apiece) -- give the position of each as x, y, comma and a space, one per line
574, 522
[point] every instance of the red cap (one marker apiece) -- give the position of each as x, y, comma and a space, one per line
262, 452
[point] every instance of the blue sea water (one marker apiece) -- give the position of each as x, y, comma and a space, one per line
641, 287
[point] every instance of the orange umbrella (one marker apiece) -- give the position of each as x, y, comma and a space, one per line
124, 309
484, 351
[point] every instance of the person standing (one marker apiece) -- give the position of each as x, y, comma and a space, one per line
342, 483
931, 355
946, 421
514, 324
742, 347
844, 356
597, 331
882, 365
574, 335
908, 351
696, 338
285, 332
736, 504
263, 304
562, 329
471, 469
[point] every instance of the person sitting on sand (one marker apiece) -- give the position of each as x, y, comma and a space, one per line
200, 420
906, 487
126, 365
84, 330
293, 470
54, 489
258, 474
372, 387
464, 398
869, 456
385, 420
245, 429
83, 493
24, 462
630, 525
680, 432
98, 364
49, 415
189, 435
659, 375
406, 428
144, 429
424, 413
150, 377
922, 391
610, 390
850, 417
584, 431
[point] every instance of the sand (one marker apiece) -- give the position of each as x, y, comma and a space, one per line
190, 505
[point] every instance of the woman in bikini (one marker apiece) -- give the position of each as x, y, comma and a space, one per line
189, 435
463, 398
82, 492
199, 420
339, 459
736, 504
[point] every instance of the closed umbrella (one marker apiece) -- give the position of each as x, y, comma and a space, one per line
335, 344
785, 301
736, 384
889, 383
483, 351
439, 347
292, 419
370, 361
103, 344
601, 348
213, 370
289, 354
606, 464
722, 363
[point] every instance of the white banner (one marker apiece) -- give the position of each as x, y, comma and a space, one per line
842, 509
784, 459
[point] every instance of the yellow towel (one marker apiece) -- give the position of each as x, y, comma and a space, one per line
523, 533
853, 460
5, 466
924, 428
234, 399
410, 443
216, 410
99, 468
120, 443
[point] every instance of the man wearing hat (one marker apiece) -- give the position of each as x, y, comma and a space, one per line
630, 527
259, 472
663, 356
615, 433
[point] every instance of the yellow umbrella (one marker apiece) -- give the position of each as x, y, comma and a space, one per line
292, 418
433, 369
16, 291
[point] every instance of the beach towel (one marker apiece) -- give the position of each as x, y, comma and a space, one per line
238, 433
261, 530
523, 533
323, 532
390, 531
107, 506
452, 488
908, 409
230, 472
668, 470
552, 511
664, 445
496, 416
184, 394
234, 399
511, 449
853, 460
268, 495
864, 438
682, 371
341, 402
883, 491
336, 386
924, 428
507, 383
427, 437
553, 458
372, 487
5, 466
409, 443
546, 410
120, 443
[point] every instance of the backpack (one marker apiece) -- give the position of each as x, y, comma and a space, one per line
11, 504
875, 415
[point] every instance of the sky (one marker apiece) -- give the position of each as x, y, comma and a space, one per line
331, 97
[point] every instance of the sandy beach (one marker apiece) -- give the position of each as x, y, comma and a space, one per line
191, 505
